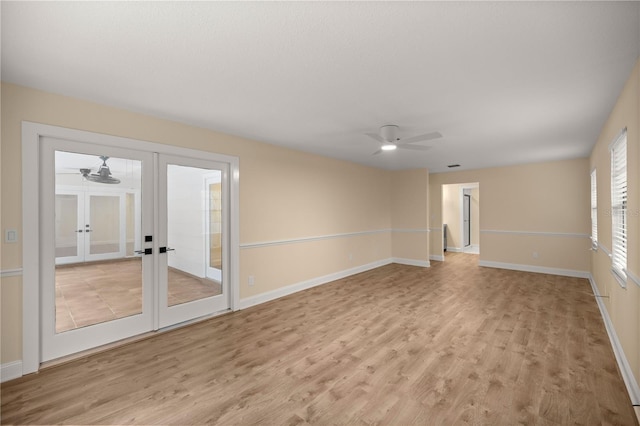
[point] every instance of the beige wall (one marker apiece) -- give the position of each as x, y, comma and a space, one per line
622, 303
526, 209
11, 318
284, 195
409, 218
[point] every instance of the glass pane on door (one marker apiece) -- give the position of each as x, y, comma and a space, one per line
66, 225
103, 284
131, 224
214, 232
194, 232
104, 224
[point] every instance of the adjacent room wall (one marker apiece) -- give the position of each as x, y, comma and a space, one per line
302, 216
186, 223
451, 216
622, 304
526, 211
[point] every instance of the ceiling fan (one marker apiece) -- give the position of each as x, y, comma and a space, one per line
389, 139
102, 176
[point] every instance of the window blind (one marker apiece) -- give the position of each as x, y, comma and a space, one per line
594, 210
619, 204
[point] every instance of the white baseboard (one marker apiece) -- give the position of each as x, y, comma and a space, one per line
625, 369
314, 282
438, 257
454, 249
533, 268
472, 249
10, 371
411, 262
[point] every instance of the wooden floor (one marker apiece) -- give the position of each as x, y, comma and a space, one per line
448, 345
95, 292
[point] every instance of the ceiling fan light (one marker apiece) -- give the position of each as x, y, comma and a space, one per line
388, 147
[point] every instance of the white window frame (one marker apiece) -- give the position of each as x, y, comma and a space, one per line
594, 210
619, 193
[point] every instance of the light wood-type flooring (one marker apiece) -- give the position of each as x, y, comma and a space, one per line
95, 292
453, 344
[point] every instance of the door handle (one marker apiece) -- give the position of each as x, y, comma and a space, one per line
80, 230
166, 249
145, 251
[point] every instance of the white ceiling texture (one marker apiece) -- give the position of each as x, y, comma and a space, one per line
504, 82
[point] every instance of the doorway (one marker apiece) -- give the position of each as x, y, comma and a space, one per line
461, 218
128, 243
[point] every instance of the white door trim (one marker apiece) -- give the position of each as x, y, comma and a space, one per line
31, 135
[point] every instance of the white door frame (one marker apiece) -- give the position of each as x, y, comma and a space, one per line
466, 229
32, 133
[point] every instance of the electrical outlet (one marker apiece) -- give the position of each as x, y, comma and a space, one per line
251, 281
350, 256
535, 254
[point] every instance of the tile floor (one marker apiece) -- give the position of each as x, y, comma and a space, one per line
91, 293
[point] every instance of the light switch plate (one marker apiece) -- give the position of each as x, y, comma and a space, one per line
11, 236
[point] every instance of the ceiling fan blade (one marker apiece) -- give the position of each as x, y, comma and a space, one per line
377, 152
415, 147
68, 171
420, 138
376, 137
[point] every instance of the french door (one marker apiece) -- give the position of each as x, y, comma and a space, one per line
93, 224
127, 250
192, 236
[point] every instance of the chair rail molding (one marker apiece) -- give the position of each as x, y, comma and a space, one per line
11, 272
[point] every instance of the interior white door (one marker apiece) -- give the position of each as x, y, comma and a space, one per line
95, 224
69, 223
79, 304
466, 219
105, 226
193, 235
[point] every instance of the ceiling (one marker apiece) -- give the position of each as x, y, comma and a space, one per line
504, 82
